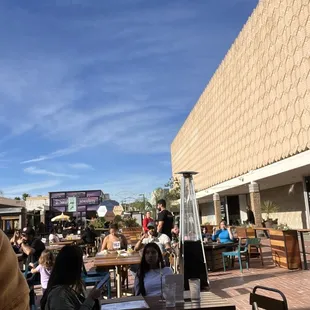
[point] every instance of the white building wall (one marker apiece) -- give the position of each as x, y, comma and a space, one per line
37, 203
207, 212
291, 202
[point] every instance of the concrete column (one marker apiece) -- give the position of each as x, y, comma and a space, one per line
42, 216
23, 218
217, 208
255, 203
306, 187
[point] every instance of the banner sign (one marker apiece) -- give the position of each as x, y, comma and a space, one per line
72, 204
76, 194
58, 195
87, 201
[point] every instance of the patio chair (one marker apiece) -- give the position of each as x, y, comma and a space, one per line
264, 302
241, 251
255, 242
92, 278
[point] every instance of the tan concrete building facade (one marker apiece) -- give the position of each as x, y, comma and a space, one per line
251, 125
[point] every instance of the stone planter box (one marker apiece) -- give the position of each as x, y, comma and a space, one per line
285, 248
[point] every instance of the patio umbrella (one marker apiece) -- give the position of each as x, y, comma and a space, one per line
60, 218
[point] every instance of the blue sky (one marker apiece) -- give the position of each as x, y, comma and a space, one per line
92, 93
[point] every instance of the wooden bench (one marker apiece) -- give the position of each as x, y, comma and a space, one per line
132, 234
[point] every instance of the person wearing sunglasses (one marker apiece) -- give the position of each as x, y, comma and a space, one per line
153, 236
31, 247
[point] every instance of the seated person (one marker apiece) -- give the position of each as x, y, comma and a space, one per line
70, 228
53, 237
152, 236
89, 235
224, 233
109, 242
89, 238
151, 272
65, 289
175, 233
31, 247
14, 290
205, 234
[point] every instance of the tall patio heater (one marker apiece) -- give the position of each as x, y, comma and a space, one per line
192, 255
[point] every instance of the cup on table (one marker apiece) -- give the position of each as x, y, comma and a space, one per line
169, 294
194, 287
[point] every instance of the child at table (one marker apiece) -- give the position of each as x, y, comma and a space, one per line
46, 263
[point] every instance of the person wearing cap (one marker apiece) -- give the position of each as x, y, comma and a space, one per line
31, 247
162, 240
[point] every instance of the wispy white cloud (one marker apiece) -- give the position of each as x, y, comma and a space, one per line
81, 166
30, 187
126, 132
34, 170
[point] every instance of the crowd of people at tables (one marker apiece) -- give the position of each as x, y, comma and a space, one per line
60, 276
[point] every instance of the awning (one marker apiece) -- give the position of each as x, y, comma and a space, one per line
10, 210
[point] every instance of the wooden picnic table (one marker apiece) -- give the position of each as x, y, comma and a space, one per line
209, 301
55, 247
65, 242
118, 262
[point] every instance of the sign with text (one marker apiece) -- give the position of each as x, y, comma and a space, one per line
76, 194
58, 195
86, 201
72, 204
116, 245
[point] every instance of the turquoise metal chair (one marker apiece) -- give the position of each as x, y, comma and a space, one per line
242, 250
91, 278
255, 243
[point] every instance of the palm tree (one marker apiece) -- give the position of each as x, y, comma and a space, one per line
25, 195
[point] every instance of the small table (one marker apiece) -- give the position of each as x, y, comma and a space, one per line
65, 242
213, 251
301, 232
55, 247
117, 261
209, 301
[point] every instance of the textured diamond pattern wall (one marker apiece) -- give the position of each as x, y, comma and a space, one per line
256, 108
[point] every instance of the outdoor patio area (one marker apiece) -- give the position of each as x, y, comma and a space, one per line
236, 286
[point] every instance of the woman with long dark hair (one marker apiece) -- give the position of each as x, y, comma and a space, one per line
152, 272
65, 289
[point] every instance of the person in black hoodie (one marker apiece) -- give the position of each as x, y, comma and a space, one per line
89, 238
89, 235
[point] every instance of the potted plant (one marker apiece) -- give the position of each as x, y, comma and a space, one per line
130, 222
98, 223
269, 207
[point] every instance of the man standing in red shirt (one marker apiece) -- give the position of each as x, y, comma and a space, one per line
147, 219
